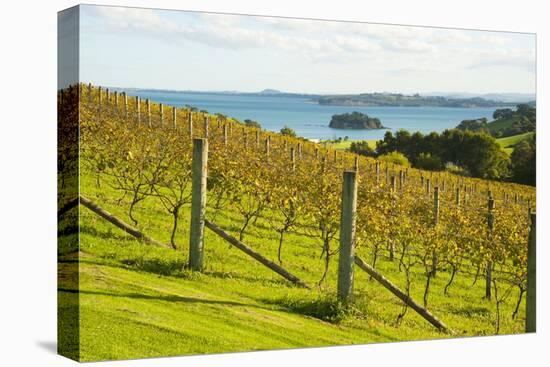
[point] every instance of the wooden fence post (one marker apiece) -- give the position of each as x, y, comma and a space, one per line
125, 98
457, 196
257, 139
347, 237
190, 123
267, 141
225, 127
116, 99
377, 168
428, 186
293, 159
175, 117
490, 225
138, 112
206, 133
148, 104
299, 150
435, 257
89, 93
392, 183
198, 203
531, 302
161, 114
99, 102
356, 164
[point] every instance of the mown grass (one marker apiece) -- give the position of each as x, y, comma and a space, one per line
509, 142
345, 144
139, 301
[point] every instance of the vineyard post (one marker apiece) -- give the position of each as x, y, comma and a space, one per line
267, 141
174, 117
316, 153
125, 98
245, 140
516, 199
116, 99
89, 93
99, 102
490, 225
457, 196
387, 174
422, 180
198, 203
206, 127
531, 302
190, 123
299, 150
138, 113
107, 96
347, 237
392, 186
401, 180
356, 164
293, 159
435, 257
225, 127
377, 168
161, 114
443, 185
257, 139
335, 156
428, 186
148, 104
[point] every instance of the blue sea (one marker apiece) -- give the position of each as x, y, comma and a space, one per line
311, 120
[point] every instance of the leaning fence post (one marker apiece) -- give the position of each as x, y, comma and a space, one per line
198, 203
531, 302
435, 257
347, 237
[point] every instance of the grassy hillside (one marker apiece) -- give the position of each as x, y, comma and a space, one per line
496, 125
138, 301
509, 142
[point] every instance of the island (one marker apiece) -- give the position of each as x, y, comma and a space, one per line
355, 120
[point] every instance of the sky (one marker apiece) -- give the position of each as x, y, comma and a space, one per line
178, 50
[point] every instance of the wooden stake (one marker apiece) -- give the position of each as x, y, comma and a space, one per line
198, 204
347, 237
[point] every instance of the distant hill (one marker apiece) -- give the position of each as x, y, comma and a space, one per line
499, 97
271, 91
402, 100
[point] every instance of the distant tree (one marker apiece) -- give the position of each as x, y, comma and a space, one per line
287, 131
252, 123
473, 125
503, 113
523, 162
429, 162
362, 148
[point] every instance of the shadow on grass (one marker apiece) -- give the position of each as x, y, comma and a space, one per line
164, 298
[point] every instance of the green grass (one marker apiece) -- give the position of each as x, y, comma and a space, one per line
345, 144
496, 125
138, 301
509, 142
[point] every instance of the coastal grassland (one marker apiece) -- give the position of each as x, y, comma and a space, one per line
345, 144
138, 301
509, 142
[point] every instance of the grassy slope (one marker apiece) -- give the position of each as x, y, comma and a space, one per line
136, 301
346, 144
501, 124
508, 143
